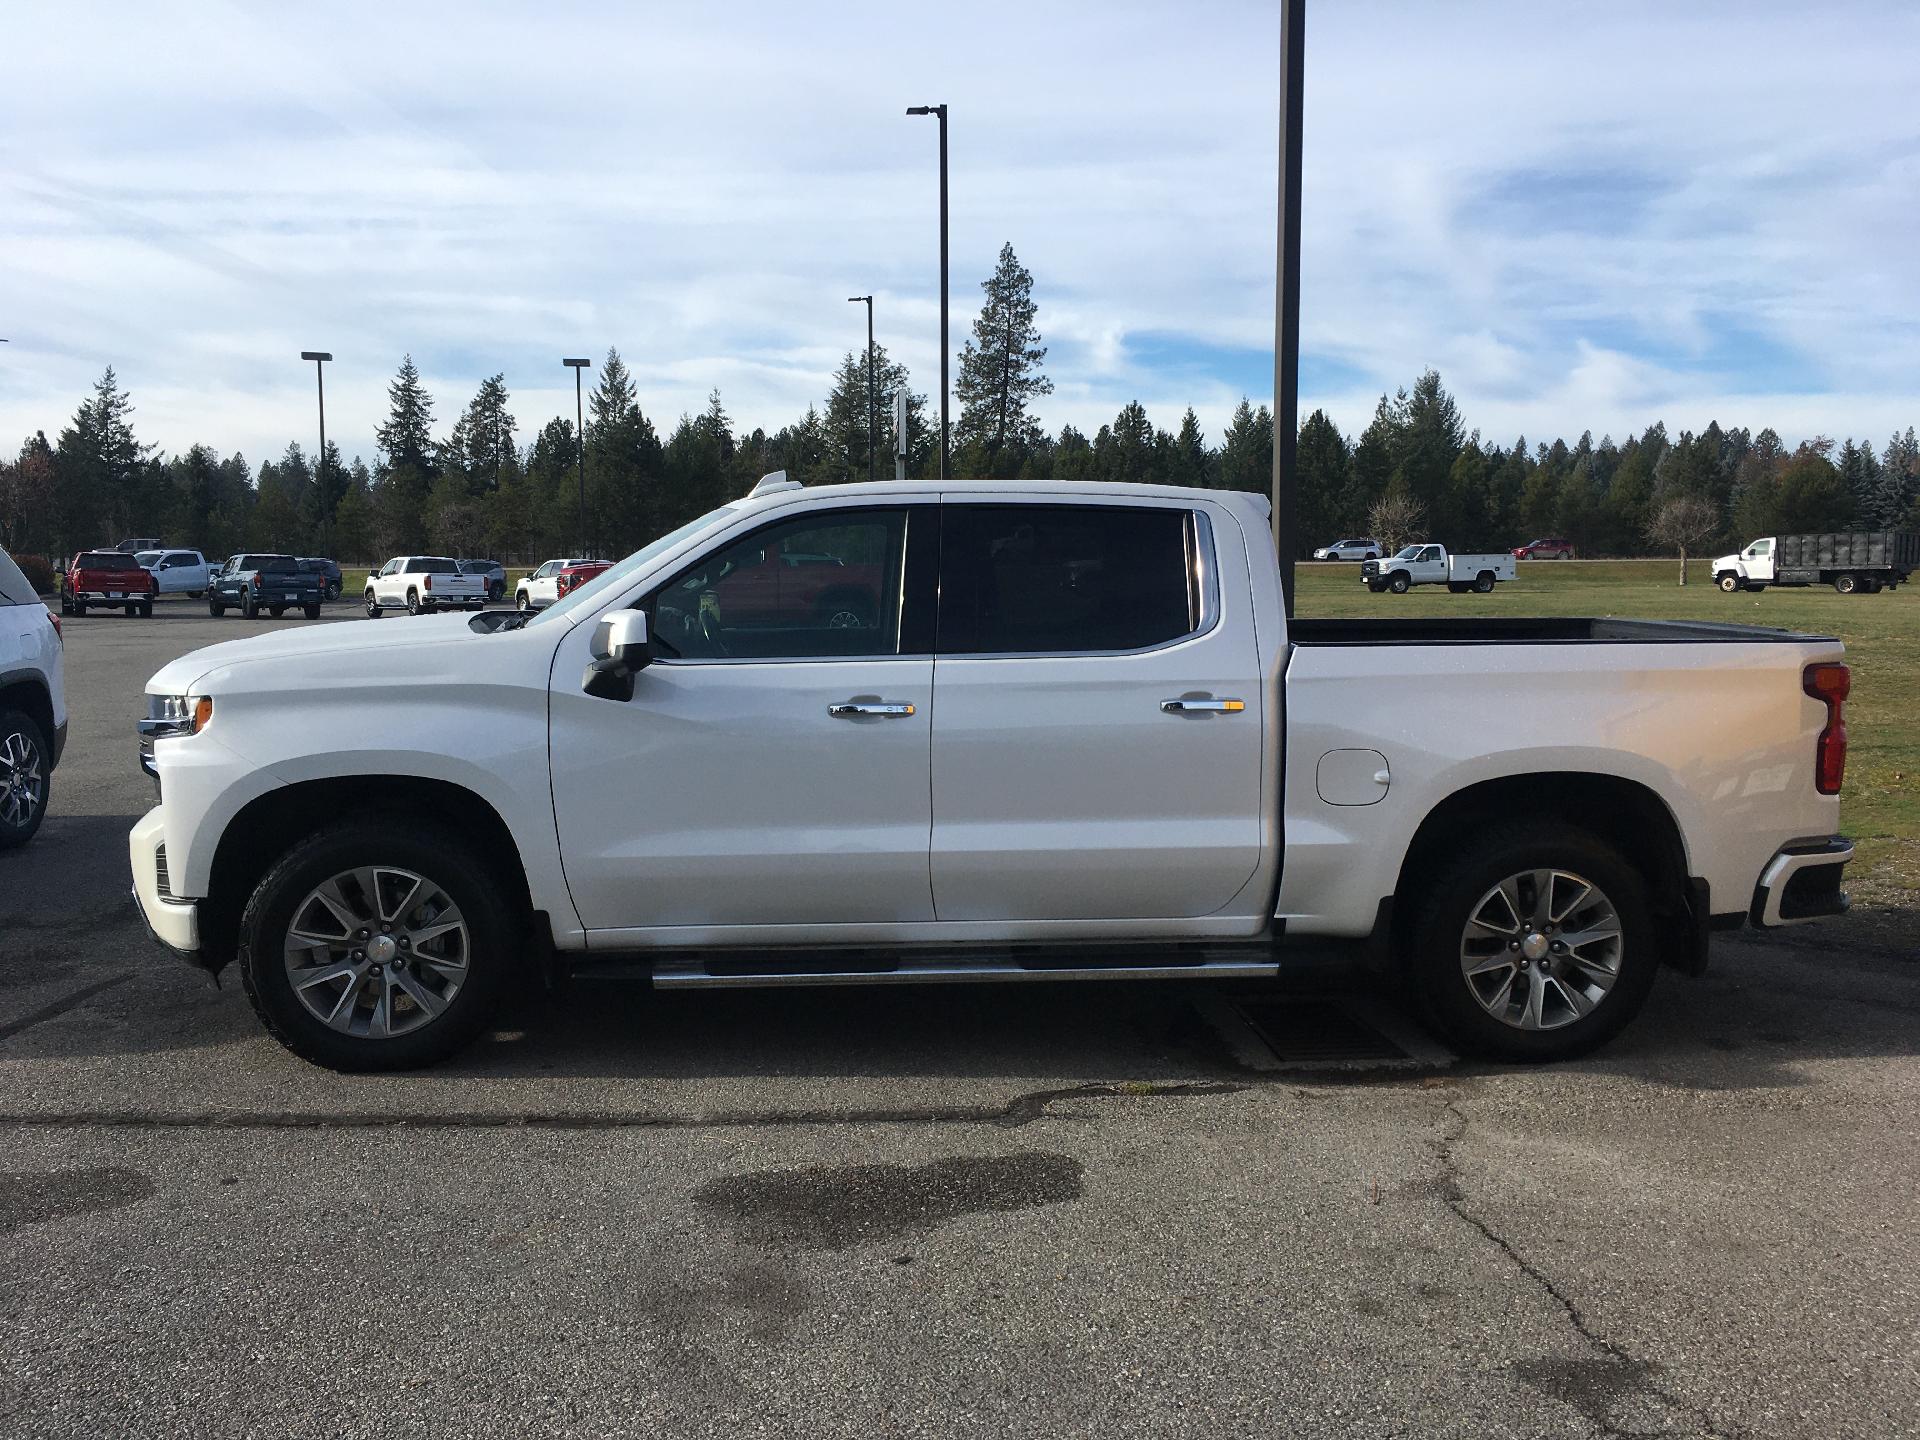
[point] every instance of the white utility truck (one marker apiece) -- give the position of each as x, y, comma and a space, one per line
1432, 565
1047, 731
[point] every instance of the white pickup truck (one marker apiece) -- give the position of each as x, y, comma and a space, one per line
1068, 732
177, 572
541, 588
422, 584
1432, 565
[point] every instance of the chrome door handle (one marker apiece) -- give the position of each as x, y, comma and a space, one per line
853, 708
1218, 707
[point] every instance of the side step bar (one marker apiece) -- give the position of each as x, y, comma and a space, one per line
688, 974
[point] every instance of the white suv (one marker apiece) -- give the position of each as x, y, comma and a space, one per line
1350, 550
33, 706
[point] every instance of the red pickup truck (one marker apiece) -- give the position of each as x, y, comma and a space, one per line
107, 578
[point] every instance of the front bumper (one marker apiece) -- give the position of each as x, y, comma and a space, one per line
1802, 883
174, 923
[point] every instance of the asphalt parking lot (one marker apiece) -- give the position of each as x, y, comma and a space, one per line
1029, 1210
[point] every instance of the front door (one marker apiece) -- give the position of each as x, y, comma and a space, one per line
1759, 560
771, 767
1098, 714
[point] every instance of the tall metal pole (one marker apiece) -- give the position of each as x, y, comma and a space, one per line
320, 358
580, 436
873, 413
1286, 324
941, 111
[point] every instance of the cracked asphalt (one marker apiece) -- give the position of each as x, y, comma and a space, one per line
1016, 1211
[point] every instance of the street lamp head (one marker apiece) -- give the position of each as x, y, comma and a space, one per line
579, 364
859, 299
316, 355
919, 109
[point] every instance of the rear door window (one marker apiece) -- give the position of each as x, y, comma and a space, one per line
1065, 579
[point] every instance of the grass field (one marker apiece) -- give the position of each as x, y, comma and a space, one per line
1880, 806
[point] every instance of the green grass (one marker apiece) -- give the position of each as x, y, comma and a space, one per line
1880, 806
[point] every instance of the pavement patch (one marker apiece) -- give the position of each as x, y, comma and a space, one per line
34, 1199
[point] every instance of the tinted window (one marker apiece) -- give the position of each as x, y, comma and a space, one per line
746, 601
108, 560
1029, 579
432, 565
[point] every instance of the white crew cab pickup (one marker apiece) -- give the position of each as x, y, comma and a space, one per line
1042, 730
1432, 565
177, 572
542, 587
422, 584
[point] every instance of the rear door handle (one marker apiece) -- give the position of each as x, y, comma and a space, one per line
884, 710
1218, 707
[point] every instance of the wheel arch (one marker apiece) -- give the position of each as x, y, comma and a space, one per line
1625, 814
257, 837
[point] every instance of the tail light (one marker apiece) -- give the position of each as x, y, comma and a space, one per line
426, 582
256, 579
1830, 684
56, 627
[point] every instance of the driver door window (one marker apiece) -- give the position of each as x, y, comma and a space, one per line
821, 586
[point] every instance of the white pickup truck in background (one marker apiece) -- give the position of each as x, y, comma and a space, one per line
1432, 565
177, 572
422, 584
1065, 731
541, 588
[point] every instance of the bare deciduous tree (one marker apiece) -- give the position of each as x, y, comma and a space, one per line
1397, 519
1685, 522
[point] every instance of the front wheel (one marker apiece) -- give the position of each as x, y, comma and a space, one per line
373, 607
1399, 584
1536, 944
377, 946
214, 607
24, 777
1729, 582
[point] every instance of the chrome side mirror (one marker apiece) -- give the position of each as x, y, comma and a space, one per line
620, 642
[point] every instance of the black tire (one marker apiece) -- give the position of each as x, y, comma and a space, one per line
523, 602
130, 610
1566, 554
214, 607
332, 591
496, 591
1440, 917
413, 602
312, 612
146, 609
1483, 583
1729, 582
1399, 583
1846, 584
66, 606
195, 594
1458, 587
1872, 586
23, 743
373, 606
79, 607
249, 608
495, 935
1378, 587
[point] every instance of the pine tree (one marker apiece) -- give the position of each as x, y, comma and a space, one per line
845, 419
1321, 469
1190, 463
625, 466
1000, 370
408, 465
482, 443
1246, 452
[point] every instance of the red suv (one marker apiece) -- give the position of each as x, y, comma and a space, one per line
110, 579
1545, 550
571, 577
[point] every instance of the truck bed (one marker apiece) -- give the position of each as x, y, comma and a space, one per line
1526, 630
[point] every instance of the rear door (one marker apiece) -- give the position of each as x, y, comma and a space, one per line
1097, 713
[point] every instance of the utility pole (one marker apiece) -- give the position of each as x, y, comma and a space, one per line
1286, 322
580, 435
873, 401
320, 358
941, 111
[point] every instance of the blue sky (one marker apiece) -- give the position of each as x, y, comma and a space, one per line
1583, 216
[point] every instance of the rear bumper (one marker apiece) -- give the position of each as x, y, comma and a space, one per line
173, 923
1802, 883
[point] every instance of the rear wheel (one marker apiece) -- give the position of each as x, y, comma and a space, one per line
25, 777
312, 612
1566, 554
1483, 582
375, 946
1846, 584
1458, 587
1872, 586
249, 607
130, 610
523, 602
1536, 944
413, 602
1398, 583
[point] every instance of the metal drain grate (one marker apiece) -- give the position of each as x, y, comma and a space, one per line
1312, 1032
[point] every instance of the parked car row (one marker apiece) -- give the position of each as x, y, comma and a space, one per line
1364, 549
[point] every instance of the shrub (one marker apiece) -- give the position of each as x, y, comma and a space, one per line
38, 572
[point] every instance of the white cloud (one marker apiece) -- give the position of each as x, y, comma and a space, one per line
195, 194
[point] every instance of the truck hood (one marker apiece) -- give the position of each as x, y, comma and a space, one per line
1726, 562
311, 640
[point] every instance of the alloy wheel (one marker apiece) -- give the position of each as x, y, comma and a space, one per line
377, 952
1541, 949
23, 780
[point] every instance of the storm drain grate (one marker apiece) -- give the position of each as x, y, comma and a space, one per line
1312, 1032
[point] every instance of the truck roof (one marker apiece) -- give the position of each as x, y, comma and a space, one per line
1245, 500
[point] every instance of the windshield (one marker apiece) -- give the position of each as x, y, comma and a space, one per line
589, 593
1409, 553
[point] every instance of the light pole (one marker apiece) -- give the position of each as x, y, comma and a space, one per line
320, 358
873, 414
1286, 320
941, 111
580, 435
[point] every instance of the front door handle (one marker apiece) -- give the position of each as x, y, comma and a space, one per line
1218, 707
885, 710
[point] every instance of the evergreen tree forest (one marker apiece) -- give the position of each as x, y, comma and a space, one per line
465, 481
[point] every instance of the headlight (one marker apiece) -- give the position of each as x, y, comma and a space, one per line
176, 715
